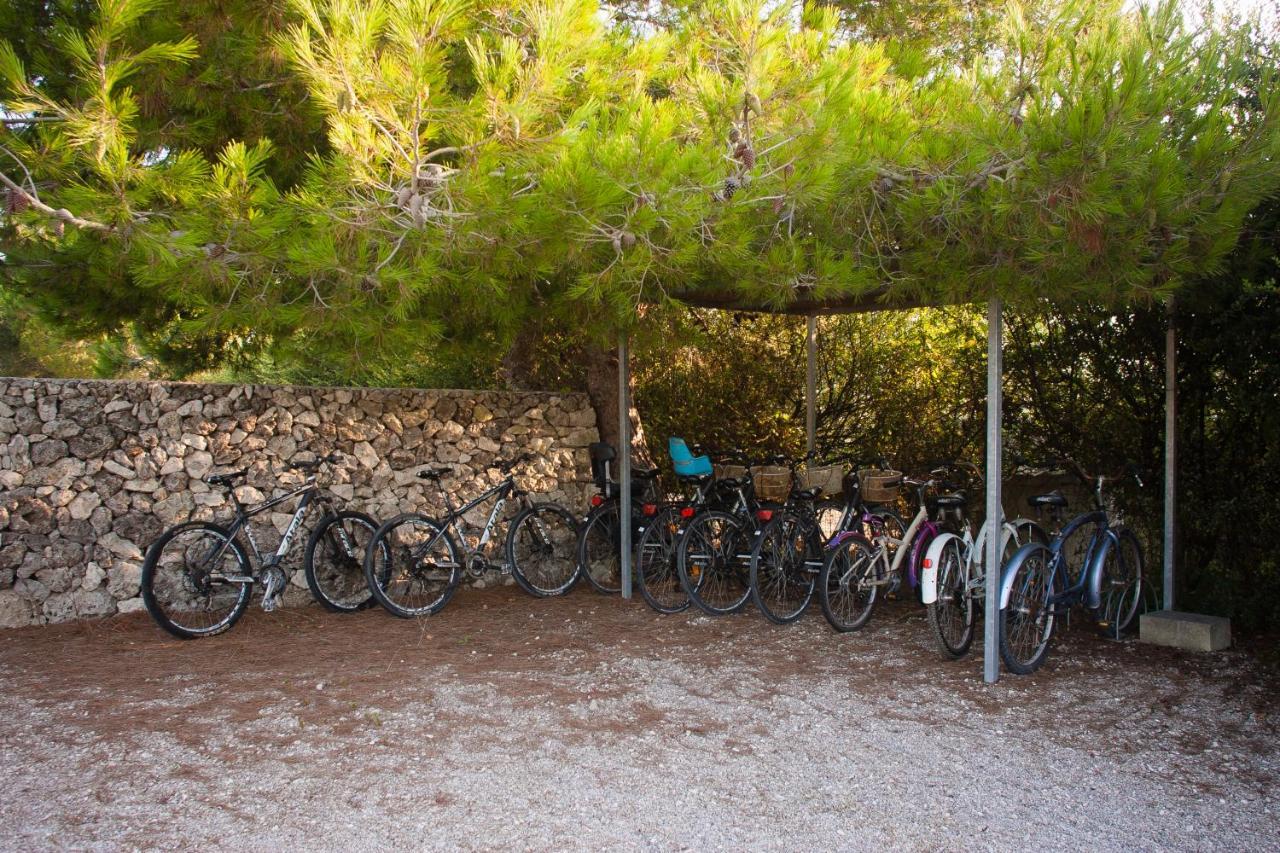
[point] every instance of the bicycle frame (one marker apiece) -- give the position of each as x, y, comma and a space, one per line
309, 492
921, 530
505, 491
1086, 587
974, 555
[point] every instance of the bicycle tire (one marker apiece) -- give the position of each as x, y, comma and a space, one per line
1027, 623
847, 597
599, 549
782, 583
157, 585
713, 575
657, 576
551, 533
954, 600
1121, 591
344, 589
419, 571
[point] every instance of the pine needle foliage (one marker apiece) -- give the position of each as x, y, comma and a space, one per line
488, 163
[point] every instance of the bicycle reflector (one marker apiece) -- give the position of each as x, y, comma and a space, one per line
596, 500
928, 564
764, 514
686, 512
649, 509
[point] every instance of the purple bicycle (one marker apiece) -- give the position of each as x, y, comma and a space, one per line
872, 556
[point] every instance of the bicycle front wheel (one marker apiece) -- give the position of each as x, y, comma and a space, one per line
196, 580
713, 561
542, 550
600, 549
1026, 624
847, 585
656, 572
784, 564
411, 566
334, 562
1121, 585
952, 615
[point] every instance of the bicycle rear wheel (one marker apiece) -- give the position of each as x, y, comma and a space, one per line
1026, 624
542, 550
411, 566
196, 580
784, 566
952, 615
656, 573
334, 561
712, 559
1121, 585
847, 585
600, 549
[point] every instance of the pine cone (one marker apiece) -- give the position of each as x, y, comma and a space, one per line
628, 239
745, 155
753, 102
16, 201
731, 185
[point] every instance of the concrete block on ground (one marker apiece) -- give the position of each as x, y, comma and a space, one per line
1194, 632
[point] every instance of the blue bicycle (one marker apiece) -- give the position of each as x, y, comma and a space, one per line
1090, 561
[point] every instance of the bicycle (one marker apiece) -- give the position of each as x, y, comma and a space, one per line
788, 556
868, 557
713, 555
657, 574
197, 578
600, 537
953, 583
421, 563
1090, 561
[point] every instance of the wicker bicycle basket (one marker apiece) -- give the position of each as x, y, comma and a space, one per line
828, 478
725, 472
773, 482
879, 486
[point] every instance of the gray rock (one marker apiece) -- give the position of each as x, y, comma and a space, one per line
198, 464
93, 603
15, 611
83, 505
124, 579
48, 452
59, 607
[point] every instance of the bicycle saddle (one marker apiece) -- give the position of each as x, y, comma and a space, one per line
435, 473
696, 479
949, 501
228, 479
1051, 499
806, 494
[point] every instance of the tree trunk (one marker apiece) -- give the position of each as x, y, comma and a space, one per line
518, 362
602, 388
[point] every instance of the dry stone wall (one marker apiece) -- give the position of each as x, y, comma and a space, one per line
91, 472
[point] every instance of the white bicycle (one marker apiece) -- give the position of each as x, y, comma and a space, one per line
954, 577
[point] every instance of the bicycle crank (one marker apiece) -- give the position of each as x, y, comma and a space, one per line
273, 584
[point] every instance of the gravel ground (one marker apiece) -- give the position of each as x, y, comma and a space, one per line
589, 723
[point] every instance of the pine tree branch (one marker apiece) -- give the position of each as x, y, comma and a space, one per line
61, 214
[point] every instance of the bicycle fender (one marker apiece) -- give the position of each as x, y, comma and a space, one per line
1093, 589
1010, 571
929, 576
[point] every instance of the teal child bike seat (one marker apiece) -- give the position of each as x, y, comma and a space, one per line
686, 464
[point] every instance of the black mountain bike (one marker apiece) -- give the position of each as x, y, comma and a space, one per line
413, 563
197, 578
